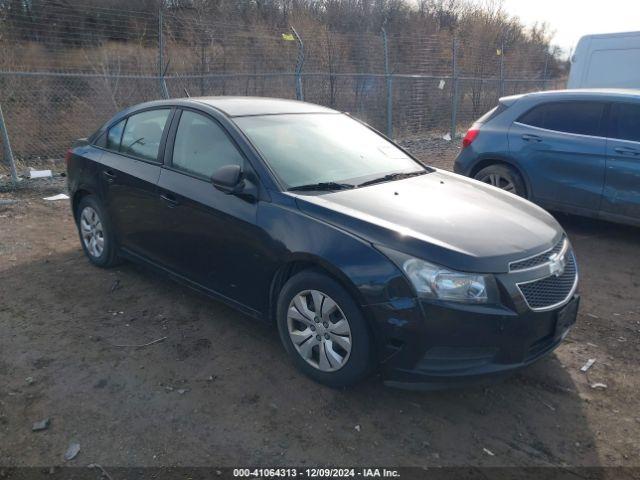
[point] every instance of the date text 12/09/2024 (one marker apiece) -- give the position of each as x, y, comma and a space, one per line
315, 473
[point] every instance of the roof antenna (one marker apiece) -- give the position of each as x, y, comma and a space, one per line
186, 92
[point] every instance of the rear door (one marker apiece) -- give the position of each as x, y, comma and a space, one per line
562, 147
622, 185
129, 174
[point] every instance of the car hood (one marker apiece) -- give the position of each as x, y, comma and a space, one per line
440, 217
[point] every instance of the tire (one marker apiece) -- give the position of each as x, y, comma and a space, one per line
101, 251
345, 367
503, 177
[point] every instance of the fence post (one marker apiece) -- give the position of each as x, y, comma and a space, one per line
545, 73
454, 88
389, 82
161, 67
299, 65
502, 66
8, 154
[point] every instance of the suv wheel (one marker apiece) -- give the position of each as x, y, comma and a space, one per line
95, 232
323, 330
504, 177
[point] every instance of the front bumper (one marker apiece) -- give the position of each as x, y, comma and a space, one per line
432, 346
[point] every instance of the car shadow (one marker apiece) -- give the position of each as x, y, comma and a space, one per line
143, 371
591, 227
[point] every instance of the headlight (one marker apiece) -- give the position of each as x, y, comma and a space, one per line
434, 281
437, 282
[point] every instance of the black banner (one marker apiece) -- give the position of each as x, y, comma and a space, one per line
98, 472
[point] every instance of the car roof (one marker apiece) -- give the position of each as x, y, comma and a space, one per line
596, 93
227, 105
245, 106
611, 35
235, 106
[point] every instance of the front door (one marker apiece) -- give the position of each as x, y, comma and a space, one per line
210, 237
622, 185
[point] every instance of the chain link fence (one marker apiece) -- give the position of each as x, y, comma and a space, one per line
64, 74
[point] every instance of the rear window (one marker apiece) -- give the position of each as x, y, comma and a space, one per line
582, 118
114, 136
493, 113
143, 133
625, 122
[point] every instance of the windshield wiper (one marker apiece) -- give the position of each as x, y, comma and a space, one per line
323, 186
392, 176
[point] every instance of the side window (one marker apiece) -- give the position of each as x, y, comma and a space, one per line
570, 117
535, 116
143, 132
115, 135
625, 122
201, 146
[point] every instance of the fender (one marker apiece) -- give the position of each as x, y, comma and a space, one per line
369, 275
82, 173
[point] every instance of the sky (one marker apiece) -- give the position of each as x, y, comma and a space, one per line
571, 19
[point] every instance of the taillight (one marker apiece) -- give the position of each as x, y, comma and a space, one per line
67, 157
471, 135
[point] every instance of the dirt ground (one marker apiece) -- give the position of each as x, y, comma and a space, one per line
219, 390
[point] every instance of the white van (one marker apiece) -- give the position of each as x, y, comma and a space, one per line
608, 60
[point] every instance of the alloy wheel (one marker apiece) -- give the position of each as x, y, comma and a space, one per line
319, 330
91, 231
499, 181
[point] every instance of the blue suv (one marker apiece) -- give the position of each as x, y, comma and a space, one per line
576, 151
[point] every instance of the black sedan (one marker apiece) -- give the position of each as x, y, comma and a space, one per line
302, 216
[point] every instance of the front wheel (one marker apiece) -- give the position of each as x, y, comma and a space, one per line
323, 330
95, 232
504, 177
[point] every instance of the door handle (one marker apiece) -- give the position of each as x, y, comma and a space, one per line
170, 199
627, 151
109, 175
528, 137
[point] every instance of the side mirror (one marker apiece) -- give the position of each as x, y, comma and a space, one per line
228, 179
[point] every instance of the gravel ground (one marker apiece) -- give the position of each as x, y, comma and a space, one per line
434, 151
219, 389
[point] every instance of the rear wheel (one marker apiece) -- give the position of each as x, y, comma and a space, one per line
95, 232
323, 330
503, 177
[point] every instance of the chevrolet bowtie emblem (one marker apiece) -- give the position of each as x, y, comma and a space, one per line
557, 264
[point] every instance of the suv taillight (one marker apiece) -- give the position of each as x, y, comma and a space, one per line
471, 135
67, 157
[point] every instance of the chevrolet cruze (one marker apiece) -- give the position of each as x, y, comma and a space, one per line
301, 216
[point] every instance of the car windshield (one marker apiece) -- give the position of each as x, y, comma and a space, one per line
329, 149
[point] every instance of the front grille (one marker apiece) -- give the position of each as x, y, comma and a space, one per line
536, 260
551, 291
